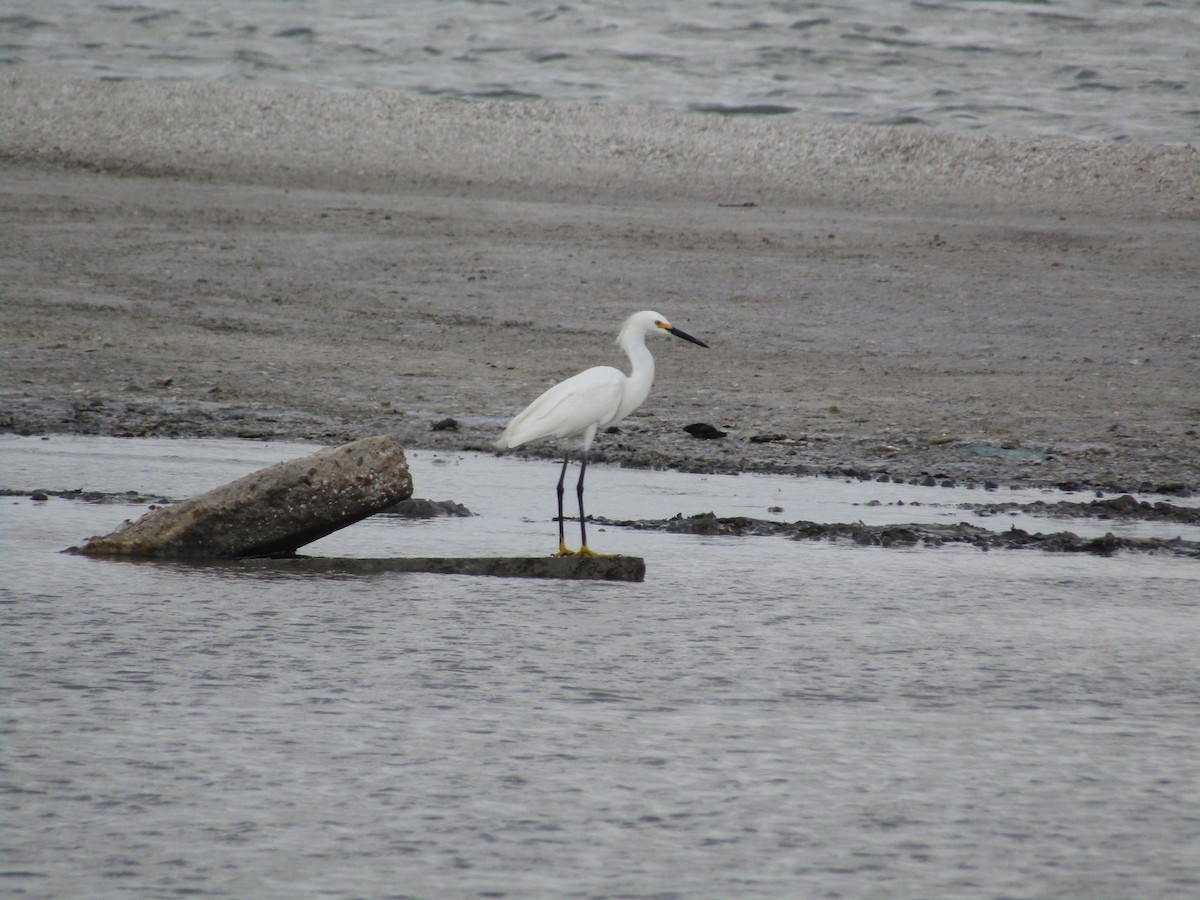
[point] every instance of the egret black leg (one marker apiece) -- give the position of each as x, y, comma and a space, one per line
562, 541
583, 547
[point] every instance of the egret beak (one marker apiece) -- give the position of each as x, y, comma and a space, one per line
681, 334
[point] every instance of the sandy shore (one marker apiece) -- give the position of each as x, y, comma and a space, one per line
202, 259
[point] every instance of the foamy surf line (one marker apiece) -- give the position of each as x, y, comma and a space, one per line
385, 140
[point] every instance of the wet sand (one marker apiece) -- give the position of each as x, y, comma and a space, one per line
204, 260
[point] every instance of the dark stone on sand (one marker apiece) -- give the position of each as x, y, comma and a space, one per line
704, 431
446, 424
271, 512
593, 568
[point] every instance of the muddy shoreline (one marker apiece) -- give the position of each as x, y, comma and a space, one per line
884, 304
952, 464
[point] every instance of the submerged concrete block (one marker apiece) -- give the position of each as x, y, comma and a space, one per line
271, 512
590, 568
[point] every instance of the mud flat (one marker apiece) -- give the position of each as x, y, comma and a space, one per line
885, 303
914, 534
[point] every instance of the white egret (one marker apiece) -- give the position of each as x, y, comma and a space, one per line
586, 402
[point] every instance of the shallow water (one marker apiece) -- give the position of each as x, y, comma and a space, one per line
1097, 69
760, 717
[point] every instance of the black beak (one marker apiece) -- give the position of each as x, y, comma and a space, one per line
686, 336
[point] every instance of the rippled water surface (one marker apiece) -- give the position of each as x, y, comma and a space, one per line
761, 717
1077, 68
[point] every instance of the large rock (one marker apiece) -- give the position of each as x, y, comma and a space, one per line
271, 512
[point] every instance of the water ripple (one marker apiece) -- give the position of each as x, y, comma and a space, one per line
1005, 60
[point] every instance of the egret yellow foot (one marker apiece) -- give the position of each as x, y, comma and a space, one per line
563, 549
586, 551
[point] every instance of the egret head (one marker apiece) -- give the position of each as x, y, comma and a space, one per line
650, 322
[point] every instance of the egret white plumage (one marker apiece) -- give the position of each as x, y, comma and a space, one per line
593, 399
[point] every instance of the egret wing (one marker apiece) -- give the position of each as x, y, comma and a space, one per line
590, 398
